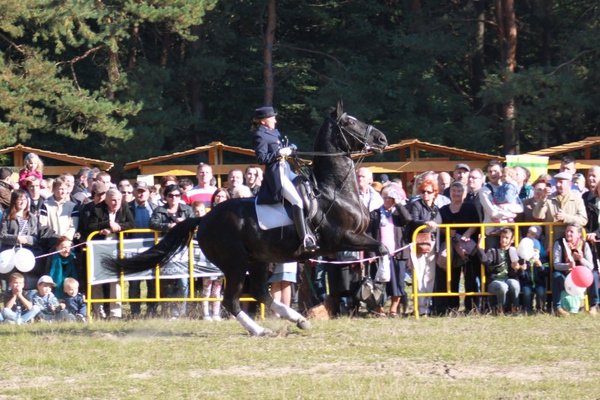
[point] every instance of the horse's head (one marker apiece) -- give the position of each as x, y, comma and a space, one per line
356, 135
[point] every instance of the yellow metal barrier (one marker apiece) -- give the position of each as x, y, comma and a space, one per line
447, 227
121, 236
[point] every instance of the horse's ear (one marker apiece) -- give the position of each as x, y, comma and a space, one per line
340, 108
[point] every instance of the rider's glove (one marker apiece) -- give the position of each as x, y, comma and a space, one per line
285, 152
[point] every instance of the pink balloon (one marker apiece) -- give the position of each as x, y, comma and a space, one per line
582, 276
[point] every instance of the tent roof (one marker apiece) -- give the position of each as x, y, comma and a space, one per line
583, 144
415, 145
215, 150
19, 149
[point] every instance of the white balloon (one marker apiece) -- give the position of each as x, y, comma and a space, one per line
525, 249
24, 260
572, 288
7, 261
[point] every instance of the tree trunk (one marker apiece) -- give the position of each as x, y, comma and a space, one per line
478, 61
269, 39
507, 33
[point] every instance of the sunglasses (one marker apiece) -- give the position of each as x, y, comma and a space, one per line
173, 195
427, 192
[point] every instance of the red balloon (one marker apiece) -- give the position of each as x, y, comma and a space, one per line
582, 276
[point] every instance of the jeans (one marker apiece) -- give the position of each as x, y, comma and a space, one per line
135, 293
558, 285
592, 291
527, 292
29, 315
507, 292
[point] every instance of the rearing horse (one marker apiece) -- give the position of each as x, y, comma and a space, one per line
230, 237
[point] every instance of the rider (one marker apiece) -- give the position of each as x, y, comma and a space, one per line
277, 183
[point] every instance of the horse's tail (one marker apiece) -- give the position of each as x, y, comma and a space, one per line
174, 241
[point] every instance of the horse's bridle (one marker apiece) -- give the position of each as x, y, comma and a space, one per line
362, 140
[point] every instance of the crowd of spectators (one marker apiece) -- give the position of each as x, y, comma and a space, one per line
53, 218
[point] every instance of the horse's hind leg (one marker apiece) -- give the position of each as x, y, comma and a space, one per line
261, 292
231, 300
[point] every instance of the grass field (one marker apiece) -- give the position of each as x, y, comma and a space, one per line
536, 357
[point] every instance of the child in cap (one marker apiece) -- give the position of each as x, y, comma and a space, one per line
74, 301
50, 308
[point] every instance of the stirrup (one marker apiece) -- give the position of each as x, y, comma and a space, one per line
310, 243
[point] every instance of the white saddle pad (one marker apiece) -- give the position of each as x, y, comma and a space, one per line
272, 216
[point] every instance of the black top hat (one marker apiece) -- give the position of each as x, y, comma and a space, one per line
264, 112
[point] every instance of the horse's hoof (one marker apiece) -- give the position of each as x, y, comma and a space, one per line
303, 324
265, 332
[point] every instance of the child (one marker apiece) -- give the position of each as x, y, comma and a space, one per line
17, 307
211, 286
506, 197
62, 265
499, 264
50, 308
33, 167
74, 301
533, 274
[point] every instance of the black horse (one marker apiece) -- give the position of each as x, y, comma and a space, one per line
230, 237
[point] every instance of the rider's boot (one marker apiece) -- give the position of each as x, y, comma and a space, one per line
309, 242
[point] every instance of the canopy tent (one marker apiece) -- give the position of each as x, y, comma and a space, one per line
216, 152
19, 151
586, 145
413, 161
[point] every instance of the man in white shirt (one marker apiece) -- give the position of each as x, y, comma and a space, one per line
58, 212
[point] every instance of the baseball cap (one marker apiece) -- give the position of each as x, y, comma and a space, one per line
462, 166
46, 279
99, 187
563, 175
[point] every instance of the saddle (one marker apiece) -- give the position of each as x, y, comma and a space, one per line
276, 215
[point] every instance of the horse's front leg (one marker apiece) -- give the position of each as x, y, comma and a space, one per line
363, 242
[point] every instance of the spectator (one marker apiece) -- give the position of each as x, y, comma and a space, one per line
533, 274
105, 178
163, 219
281, 280
126, 190
491, 212
109, 218
185, 184
460, 174
142, 209
253, 178
424, 212
235, 179
36, 201
387, 226
58, 212
579, 183
562, 206
568, 252
33, 167
444, 181
80, 189
522, 180
499, 263
6, 187
74, 301
205, 189
50, 308
506, 197
592, 179
458, 212
62, 264
475, 182
21, 228
219, 196
18, 308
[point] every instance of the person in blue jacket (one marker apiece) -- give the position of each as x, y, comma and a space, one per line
272, 150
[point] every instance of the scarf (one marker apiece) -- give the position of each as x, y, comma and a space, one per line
61, 268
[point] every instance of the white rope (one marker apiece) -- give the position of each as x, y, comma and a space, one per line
358, 261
